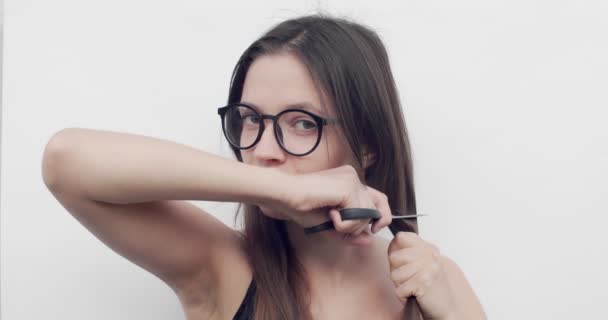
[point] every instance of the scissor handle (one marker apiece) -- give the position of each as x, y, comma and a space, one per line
346, 214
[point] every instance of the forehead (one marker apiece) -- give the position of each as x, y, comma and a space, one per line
280, 81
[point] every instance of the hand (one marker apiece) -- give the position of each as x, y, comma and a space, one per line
313, 198
417, 270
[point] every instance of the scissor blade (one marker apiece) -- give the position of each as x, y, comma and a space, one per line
409, 216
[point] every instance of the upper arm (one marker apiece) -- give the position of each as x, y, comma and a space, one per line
174, 239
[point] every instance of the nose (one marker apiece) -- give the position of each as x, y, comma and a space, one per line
267, 149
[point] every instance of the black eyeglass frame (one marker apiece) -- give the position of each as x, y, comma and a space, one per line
321, 122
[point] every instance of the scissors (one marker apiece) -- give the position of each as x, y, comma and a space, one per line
353, 214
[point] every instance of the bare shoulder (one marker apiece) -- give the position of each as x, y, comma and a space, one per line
456, 275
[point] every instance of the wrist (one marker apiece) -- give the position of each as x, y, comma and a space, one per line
273, 185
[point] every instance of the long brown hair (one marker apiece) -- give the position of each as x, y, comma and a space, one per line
349, 63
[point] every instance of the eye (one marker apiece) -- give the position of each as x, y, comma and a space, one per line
306, 124
253, 118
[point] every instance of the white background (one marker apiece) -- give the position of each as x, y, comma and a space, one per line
505, 102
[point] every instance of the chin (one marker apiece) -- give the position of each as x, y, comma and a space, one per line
363, 239
272, 214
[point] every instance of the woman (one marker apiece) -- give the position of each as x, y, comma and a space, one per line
314, 120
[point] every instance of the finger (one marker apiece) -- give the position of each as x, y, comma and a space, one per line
364, 225
406, 256
405, 239
354, 234
359, 231
381, 203
340, 225
418, 285
364, 238
408, 289
406, 272
409, 240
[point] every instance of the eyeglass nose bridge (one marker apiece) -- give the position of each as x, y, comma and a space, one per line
268, 116
321, 122
273, 118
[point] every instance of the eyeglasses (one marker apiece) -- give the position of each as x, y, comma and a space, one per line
297, 131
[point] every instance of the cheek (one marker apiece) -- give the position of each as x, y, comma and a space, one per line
246, 156
330, 153
334, 150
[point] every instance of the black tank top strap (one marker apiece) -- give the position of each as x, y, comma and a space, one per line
245, 311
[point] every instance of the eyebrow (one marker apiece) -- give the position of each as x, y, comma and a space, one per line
299, 105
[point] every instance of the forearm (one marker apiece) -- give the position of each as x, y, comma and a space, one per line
127, 168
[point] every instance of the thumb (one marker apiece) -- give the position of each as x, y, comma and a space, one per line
393, 245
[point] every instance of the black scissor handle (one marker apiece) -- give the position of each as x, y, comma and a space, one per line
346, 214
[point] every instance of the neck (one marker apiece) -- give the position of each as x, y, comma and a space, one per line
328, 257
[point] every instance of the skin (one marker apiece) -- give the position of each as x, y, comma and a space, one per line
204, 261
273, 82
392, 270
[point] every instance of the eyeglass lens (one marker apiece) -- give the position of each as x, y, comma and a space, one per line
297, 131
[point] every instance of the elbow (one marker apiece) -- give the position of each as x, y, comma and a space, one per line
54, 156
